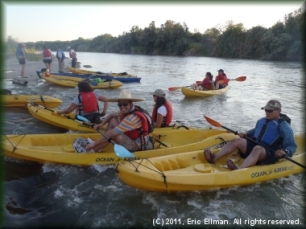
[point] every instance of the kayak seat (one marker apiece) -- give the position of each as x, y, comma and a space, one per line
203, 168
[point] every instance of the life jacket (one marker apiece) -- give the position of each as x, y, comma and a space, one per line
88, 103
46, 53
222, 77
147, 123
166, 120
267, 133
206, 83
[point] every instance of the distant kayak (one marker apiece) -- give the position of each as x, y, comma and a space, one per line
22, 100
92, 77
188, 92
84, 71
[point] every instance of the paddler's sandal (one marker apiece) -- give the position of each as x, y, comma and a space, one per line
231, 165
209, 156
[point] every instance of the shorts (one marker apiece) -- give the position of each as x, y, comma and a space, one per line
269, 153
47, 61
21, 61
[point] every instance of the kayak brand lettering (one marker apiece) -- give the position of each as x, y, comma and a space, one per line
276, 170
107, 159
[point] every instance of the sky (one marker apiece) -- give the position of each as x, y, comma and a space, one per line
32, 22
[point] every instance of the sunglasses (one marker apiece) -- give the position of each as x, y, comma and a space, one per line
123, 104
269, 111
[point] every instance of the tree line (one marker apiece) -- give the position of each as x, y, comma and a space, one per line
282, 42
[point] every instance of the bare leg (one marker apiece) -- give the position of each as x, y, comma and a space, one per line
126, 142
22, 70
258, 154
237, 143
112, 123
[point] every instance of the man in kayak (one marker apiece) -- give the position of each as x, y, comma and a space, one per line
270, 139
86, 103
129, 127
221, 76
162, 111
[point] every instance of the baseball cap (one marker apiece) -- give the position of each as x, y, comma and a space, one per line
159, 93
272, 105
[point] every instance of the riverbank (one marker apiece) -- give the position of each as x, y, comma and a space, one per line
12, 68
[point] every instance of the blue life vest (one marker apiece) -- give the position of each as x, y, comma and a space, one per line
267, 133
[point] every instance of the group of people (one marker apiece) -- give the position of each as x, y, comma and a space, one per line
129, 126
209, 84
46, 56
270, 139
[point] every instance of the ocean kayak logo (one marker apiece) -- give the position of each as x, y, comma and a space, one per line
268, 172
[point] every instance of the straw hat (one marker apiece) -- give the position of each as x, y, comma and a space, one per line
125, 95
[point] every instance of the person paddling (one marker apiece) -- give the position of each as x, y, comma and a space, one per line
270, 139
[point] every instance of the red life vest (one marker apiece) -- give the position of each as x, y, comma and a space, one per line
137, 133
222, 77
46, 53
89, 103
168, 119
206, 83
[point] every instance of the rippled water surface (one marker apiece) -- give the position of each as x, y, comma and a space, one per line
63, 195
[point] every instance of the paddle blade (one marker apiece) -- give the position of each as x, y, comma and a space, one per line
241, 78
79, 117
173, 88
212, 122
122, 152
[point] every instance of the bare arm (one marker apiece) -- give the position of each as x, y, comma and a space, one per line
103, 99
159, 119
71, 108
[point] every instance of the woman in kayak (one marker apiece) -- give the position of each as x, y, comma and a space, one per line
206, 84
221, 76
87, 103
162, 111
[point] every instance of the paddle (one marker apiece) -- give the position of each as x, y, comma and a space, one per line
217, 124
240, 78
119, 149
176, 88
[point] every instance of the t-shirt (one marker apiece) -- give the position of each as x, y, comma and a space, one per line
162, 110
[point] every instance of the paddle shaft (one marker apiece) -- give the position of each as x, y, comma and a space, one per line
250, 139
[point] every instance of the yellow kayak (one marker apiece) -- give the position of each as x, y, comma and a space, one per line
188, 92
67, 82
190, 171
84, 71
66, 121
22, 100
58, 148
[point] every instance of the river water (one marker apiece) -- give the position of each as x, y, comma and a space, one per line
40, 195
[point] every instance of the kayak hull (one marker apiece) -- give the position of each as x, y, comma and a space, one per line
57, 148
191, 172
22, 100
87, 76
73, 82
188, 92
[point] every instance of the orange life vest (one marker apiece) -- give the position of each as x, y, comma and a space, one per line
166, 120
88, 103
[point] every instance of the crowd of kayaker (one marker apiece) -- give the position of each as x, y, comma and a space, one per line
271, 139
